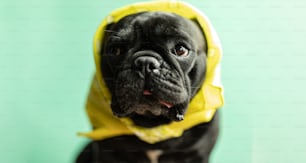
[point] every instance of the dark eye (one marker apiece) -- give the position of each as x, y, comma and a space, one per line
116, 51
180, 50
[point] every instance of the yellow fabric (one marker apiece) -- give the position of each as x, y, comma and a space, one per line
202, 107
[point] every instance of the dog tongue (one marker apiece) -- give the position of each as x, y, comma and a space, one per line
146, 92
165, 103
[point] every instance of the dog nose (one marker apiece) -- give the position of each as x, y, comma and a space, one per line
147, 63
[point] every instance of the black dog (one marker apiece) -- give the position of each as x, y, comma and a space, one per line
153, 64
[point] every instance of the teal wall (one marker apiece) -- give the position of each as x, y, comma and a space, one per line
46, 65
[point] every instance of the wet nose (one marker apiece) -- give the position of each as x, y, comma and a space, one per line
147, 63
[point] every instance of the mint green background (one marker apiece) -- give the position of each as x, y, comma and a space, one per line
46, 65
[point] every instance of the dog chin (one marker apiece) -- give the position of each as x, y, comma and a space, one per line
146, 110
149, 109
157, 114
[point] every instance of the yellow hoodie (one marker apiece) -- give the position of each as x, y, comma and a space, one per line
202, 107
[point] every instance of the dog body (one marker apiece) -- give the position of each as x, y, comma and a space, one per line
153, 64
194, 146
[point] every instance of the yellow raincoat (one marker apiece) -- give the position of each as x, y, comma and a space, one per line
202, 107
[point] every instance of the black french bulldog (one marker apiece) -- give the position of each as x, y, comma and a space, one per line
153, 63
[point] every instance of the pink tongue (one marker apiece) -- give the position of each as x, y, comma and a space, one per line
146, 92
165, 103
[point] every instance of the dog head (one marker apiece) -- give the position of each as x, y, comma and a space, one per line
153, 63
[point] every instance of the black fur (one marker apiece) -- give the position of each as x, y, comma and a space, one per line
142, 53
194, 146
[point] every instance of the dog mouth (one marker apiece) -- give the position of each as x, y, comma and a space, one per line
153, 96
150, 105
162, 102
151, 108
160, 108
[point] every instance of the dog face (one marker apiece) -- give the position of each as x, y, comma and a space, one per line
153, 64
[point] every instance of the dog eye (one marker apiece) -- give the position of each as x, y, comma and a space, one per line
180, 50
115, 51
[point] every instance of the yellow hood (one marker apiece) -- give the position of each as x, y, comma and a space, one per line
202, 107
